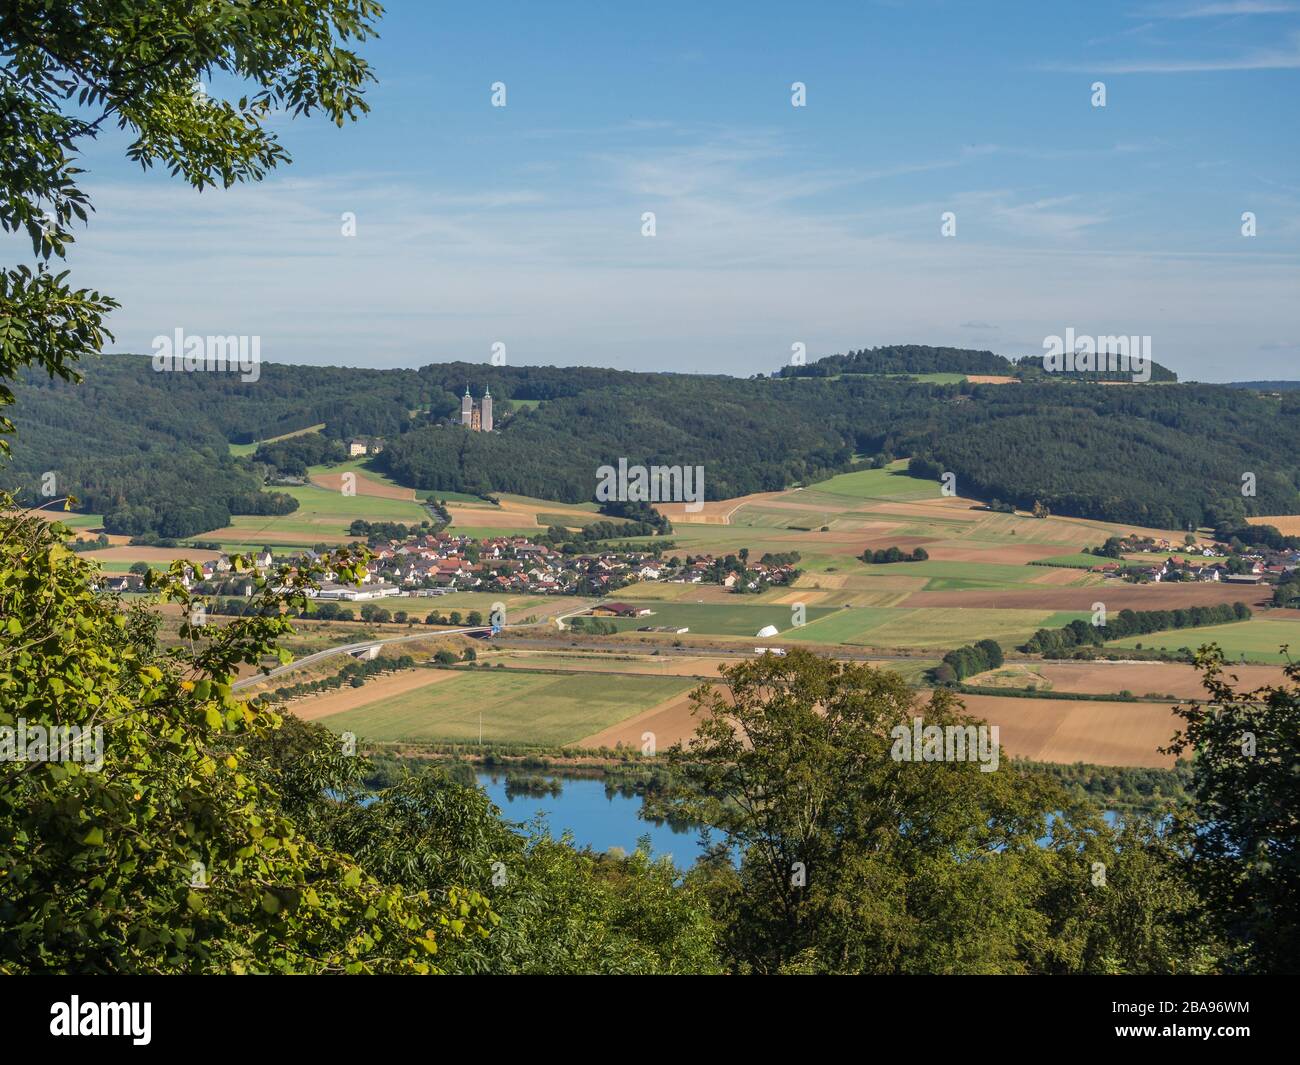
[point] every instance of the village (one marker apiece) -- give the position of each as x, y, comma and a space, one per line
1226, 563
432, 564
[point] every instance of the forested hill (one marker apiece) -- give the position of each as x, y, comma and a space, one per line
151, 449
904, 359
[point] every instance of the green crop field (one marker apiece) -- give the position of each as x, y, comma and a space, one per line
1074, 561
570, 519
1256, 640
718, 619
947, 576
322, 515
515, 707
892, 482
81, 524
928, 627
842, 626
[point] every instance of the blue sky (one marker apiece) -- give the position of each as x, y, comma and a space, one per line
775, 224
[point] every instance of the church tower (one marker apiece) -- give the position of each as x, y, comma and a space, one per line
487, 410
466, 407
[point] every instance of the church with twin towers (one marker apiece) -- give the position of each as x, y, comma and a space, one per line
478, 418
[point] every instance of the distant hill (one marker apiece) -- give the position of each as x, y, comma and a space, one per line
904, 359
151, 451
1032, 365
1266, 386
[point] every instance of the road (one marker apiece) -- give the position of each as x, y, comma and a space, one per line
350, 648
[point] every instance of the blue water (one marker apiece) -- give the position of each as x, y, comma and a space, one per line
596, 821
601, 822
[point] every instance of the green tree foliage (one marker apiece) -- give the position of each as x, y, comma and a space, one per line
1241, 834
166, 852
904, 359
291, 457
171, 854
559, 910
1184, 446
854, 861
1055, 642
883, 556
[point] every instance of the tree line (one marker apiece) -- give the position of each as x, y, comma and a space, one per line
1055, 642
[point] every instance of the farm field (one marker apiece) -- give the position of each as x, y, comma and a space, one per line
517, 515
158, 556
394, 686
617, 661
1047, 730
323, 516
610, 662
891, 482
519, 608
1256, 640
1111, 678
516, 707
1068, 731
1116, 595
1287, 524
716, 619
366, 482
1074, 561
929, 628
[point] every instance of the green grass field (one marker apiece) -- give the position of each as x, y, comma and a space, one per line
515, 707
1256, 640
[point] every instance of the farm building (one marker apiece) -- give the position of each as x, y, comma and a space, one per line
620, 610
